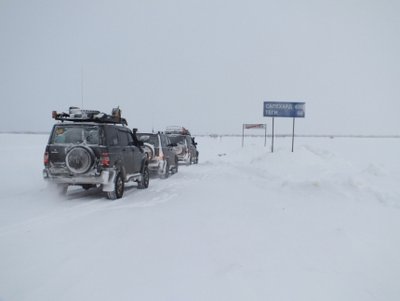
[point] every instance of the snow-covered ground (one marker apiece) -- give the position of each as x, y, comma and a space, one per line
322, 223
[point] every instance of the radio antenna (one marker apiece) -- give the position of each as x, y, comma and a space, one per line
82, 86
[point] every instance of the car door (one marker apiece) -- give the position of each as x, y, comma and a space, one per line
127, 150
137, 152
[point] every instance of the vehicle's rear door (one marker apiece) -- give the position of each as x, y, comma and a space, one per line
168, 150
58, 145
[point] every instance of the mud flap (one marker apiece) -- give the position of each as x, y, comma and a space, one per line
108, 185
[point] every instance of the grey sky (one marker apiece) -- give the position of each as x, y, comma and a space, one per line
208, 65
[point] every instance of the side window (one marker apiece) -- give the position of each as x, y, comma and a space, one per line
123, 137
112, 136
58, 135
130, 139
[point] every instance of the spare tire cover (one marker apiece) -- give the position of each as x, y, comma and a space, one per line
79, 159
179, 149
149, 150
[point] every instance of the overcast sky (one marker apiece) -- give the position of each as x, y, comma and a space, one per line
205, 64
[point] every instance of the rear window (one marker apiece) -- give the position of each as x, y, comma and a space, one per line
178, 139
149, 138
67, 134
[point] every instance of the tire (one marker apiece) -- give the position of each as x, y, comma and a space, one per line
165, 175
119, 186
79, 159
149, 150
178, 149
144, 182
176, 165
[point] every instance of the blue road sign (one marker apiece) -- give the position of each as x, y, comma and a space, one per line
284, 109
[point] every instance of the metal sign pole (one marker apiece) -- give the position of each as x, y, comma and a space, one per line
293, 135
272, 144
242, 135
265, 134
283, 109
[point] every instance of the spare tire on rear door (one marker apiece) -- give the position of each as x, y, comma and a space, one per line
149, 150
79, 159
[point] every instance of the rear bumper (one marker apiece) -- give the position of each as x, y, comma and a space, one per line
106, 177
184, 158
157, 166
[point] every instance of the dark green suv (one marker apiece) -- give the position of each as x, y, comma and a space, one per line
91, 149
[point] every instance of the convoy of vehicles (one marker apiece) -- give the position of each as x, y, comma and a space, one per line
161, 156
91, 149
186, 147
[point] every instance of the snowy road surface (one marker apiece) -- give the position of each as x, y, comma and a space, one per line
322, 223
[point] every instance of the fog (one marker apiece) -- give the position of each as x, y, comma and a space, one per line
207, 65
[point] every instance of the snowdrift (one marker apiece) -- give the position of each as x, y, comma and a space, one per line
321, 223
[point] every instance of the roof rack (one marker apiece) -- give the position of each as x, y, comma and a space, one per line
78, 115
179, 130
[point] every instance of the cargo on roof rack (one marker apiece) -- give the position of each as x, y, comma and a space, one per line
179, 130
76, 114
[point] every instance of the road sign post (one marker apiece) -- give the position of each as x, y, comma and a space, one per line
273, 134
283, 109
247, 126
293, 135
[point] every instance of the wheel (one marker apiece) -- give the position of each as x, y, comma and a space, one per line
165, 175
144, 182
118, 188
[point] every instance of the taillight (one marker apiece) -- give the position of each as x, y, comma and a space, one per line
105, 159
46, 158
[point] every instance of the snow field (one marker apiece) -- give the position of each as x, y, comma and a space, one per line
321, 223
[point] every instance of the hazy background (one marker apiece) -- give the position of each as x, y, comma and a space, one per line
207, 65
